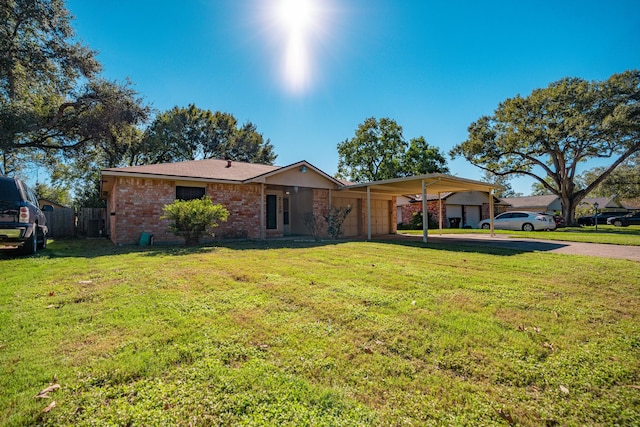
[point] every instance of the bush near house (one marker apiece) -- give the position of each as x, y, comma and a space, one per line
192, 219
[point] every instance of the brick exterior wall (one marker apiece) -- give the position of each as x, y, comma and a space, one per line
136, 204
321, 208
394, 214
497, 209
432, 207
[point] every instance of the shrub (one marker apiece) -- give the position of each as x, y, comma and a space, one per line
416, 221
335, 219
192, 219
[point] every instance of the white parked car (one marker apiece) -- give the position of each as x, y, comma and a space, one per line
521, 220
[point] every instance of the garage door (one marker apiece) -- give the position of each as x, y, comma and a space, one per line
380, 217
350, 225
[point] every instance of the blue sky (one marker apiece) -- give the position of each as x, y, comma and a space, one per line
434, 67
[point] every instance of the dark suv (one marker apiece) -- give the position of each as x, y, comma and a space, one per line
22, 223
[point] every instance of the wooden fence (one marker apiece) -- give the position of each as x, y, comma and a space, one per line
90, 222
61, 222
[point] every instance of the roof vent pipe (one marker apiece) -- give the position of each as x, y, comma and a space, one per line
228, 163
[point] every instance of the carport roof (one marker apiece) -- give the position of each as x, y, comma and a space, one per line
434, 183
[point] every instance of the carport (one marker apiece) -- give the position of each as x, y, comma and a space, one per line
433, 183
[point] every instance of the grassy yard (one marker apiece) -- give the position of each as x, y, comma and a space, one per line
605, 234
298, 334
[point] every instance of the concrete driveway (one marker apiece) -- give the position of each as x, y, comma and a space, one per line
503, 241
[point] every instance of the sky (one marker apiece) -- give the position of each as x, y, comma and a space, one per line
308, 72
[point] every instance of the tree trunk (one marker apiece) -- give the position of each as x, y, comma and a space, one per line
569, 205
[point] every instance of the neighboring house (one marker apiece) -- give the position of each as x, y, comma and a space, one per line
605, 204
46, 202
459, 209
549, 203
263, 201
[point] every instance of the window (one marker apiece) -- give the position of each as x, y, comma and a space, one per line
272, 212
285, 211
189, 193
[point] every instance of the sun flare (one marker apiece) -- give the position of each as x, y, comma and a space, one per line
297, 27
296, 15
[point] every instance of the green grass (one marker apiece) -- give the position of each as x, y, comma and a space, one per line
285, 333
605, 234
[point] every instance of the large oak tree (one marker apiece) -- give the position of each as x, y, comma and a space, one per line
51, 96
550, 133
190, 133
379, 151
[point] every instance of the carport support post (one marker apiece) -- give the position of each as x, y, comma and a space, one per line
425, 217
262, 202
368, 213
491, 215
440, 211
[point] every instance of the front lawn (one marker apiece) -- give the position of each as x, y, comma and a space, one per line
605, 234
295, 334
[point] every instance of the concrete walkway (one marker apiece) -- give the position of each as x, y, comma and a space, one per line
503, 241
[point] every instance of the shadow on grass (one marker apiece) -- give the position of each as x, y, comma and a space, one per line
95, 248
506, 247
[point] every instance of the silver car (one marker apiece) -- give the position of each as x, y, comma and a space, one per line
520, 220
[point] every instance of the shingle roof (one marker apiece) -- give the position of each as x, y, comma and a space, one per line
205, 169
523, 202
603, 202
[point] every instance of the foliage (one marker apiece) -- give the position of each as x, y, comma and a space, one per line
422, 158
555, 129
379, 151
53, 193
55, 109
335, 220
192, 133
349, 334
416, 221
505, 190
192, 219
623, 182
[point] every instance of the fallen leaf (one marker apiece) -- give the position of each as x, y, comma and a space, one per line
44, 394
50, 407
51, 293
506, 416
564, 389
536, 329
368, 350
85, 282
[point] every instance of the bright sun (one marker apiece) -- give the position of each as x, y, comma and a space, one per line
296, 15
300, 24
